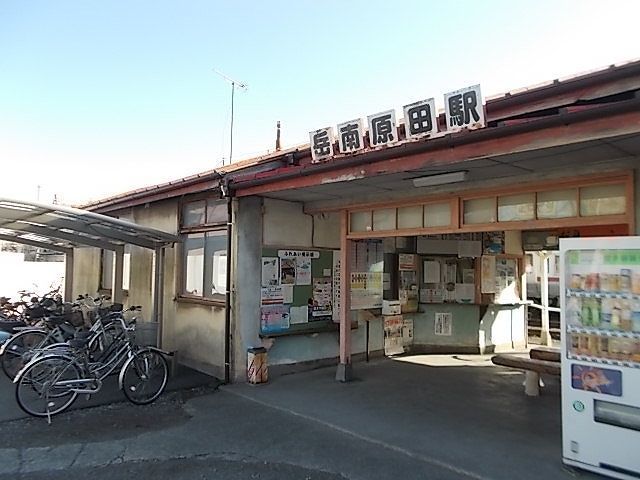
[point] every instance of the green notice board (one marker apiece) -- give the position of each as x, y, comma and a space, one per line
302, 293
311, 306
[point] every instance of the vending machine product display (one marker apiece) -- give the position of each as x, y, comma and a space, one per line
600, 304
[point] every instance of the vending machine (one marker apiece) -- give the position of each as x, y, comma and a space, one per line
600, 321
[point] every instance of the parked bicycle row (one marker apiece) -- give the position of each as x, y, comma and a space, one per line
72, 349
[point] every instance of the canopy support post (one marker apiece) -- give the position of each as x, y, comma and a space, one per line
68, 276
158, 291
118, 273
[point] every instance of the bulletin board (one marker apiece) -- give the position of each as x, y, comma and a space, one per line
297, 284
448, 280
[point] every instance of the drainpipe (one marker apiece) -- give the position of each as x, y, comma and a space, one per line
227, 312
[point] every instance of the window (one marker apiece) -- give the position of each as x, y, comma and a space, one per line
557, 204
204, 261
384, 219
361, 221
603, 200
410, 217
516, 207
481, 210
108, 266
437, 214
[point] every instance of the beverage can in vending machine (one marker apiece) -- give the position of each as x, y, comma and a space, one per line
585, 313
605, 316
595, 312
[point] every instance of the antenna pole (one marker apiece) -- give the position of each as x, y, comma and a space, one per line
233, 89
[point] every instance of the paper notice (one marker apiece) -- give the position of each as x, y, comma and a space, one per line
299, 314
488, 274
287, 293
270, 271
431, 272
303, 271
465, 292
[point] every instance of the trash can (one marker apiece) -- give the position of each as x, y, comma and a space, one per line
257, 365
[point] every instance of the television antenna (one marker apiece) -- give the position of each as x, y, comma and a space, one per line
242, 86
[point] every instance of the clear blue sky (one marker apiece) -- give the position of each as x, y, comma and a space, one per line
99, 97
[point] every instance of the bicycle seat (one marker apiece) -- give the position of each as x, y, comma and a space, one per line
81, 340
55, 321
10, 326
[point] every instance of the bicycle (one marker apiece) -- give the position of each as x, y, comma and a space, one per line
51, 382
18, 350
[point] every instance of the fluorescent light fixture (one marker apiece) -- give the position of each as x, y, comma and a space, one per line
440, 179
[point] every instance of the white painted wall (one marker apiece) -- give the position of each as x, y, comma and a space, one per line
286, 224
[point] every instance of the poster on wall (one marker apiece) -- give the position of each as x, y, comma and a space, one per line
336, 283
272, 295
442, 324
407, 261
488, 274
270, 271
287, 293
393, 338
299, 315
274, 318
366, 290
322, 297
288, 271
303, 271
493, 243
431, 271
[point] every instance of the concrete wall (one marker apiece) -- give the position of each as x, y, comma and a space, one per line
464, 325
247, 243
285, 224
86, 271
194, 331
503, 328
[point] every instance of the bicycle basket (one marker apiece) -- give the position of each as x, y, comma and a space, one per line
74, 318
146, 334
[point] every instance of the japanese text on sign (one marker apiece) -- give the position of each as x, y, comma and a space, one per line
463, 109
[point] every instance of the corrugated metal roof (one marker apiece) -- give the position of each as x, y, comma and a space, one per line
62, 228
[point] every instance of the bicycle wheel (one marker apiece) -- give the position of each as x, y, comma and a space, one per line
18, 350
43, 390
100, 343
144, 376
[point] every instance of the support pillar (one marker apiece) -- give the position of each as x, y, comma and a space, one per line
344, 371
68, 276
118, 272
158, 292
545, 335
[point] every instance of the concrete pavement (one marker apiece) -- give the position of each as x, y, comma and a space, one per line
444, 418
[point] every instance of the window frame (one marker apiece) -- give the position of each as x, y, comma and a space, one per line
217, 299
109, 288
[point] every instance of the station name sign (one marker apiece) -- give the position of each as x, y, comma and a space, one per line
463, 110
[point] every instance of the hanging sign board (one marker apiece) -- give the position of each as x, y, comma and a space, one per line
298, 253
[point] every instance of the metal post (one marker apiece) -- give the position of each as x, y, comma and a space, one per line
525, 302
68, 276
545, 336
158, 291
118, 271
343, 373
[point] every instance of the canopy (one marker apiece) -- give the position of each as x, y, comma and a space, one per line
63, 228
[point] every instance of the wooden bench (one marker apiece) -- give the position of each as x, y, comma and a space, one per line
545, 353
532, 367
